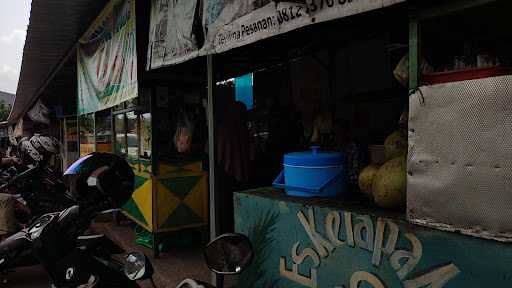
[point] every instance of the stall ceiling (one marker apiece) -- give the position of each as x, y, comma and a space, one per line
55, 26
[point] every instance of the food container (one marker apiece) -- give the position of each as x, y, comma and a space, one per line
313, 174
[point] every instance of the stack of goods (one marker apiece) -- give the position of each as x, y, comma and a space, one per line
386, 184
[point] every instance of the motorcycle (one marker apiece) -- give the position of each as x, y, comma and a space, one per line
85, 262
98, 182
91, 260
38, 190
228, 254
37, 187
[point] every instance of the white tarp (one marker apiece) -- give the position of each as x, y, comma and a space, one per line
230, 24
172, 39
460, 157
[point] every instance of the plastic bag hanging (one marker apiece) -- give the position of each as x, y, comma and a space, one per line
184, 132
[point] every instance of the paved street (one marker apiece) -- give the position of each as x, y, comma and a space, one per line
170, 269
29, 277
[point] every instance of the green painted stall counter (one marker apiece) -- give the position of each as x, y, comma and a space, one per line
332, 244
176, 199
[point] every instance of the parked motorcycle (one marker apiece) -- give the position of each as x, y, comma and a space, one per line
98, 182
17, 250
228, 254
38, 190
37, 187
39, 193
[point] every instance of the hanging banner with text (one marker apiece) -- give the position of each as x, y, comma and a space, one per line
177, 36
107, 59
175, 28
230, 24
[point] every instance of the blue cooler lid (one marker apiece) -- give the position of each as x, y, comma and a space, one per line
314, 158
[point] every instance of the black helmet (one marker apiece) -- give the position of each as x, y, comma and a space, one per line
46, 145
104, 180
27, 152
38, 148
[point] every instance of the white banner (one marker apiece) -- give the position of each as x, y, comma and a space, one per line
237, 23
172, 39
107, 59
228, 24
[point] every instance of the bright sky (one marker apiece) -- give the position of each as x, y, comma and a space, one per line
14, 16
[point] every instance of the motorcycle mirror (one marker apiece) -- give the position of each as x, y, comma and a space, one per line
137, 266
229, 254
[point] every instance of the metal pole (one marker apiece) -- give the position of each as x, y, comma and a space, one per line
94, 131
78, 134
65, 148
154, 170
211, 154
414, 51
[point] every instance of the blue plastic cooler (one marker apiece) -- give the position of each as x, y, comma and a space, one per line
313, 174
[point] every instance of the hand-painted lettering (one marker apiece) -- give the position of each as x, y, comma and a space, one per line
365, 226
322, 246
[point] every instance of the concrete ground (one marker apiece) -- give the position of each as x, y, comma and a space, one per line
27, 277
171, 268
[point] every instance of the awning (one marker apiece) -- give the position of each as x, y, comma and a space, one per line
54, 29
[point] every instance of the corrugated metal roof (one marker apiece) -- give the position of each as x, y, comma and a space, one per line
54, 28
8, 98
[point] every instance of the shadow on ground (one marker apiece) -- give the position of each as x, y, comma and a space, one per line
173, 265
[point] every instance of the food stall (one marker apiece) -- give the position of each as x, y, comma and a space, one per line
376, 85
121, 108
436, 215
